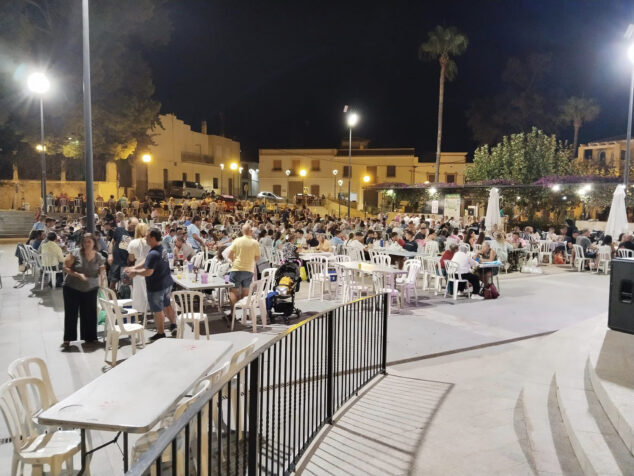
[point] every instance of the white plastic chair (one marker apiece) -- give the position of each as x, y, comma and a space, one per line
431, 248
625, 253
580, 258
20, 400
381, 259
248, 305
435, 275
605, 258
545, 252
51, 272
115, 328
319, 277
408, 285
454, 278
383, 285
356, 254
187, 311
477, 247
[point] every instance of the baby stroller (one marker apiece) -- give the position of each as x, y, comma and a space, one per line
287, 281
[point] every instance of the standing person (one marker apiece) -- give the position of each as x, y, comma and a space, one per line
120, 241
84, 268
138, 250
158, 281
244, 252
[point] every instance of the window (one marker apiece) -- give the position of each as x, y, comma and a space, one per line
622, 155
184, 176
602, 158
197, 179
215, 182
391, 170
165, 179
277, 190
451, 178
431, 178
587, 154
295, 167
314, 165
277, 165
346, 171
314, 190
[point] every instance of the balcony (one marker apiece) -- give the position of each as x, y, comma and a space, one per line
196, 158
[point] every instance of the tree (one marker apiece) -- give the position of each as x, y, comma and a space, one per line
48, 32
578, 110
442, 44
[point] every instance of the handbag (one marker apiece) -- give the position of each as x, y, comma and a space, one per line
491, 292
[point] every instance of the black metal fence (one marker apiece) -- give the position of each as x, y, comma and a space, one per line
261, 419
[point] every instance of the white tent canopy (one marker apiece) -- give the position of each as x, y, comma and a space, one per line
617, 220
493, 210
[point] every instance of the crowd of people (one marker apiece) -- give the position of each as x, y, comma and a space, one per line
130, 250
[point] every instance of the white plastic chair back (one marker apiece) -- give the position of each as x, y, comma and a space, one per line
579, 254
276, 257
413, 268
381, 259
317, 268
25, 366
477, 247
431, 248
449, 242
452, 270
20, 400
625, 253
186, 305
241, 356
340, 259
268, 276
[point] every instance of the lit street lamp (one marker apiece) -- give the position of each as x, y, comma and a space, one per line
39, 84
146, 158
366, 179
222, 167
288, 192
240, 191
626, 174
234, 167
352, 119
335, 172
302, 174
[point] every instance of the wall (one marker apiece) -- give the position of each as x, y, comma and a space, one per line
205, 154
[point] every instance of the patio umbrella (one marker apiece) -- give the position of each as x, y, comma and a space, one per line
617, 220
493, 209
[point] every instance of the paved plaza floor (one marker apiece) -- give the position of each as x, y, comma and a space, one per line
31, 324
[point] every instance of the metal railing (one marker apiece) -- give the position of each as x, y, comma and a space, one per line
262, 418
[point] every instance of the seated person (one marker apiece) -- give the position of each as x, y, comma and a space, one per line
447, 256
486, 255
323, 244
181, 247
52, 255
409, 243
583, 240
465, 263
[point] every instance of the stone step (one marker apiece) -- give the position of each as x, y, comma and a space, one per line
14, 223
598, 447
611, 369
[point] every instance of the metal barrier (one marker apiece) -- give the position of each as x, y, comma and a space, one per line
262, 418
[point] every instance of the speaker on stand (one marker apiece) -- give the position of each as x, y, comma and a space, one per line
621, 307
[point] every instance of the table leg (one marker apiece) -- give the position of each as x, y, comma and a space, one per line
125, 452
82, 432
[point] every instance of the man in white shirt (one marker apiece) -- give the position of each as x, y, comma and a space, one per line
193, 234
465, 263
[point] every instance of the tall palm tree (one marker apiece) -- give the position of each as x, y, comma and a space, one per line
442, 44
579, 111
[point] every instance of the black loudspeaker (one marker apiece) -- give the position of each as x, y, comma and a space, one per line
621, 309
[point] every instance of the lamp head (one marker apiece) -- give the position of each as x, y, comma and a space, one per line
240, 169
40, 148
302, 172
38, 83
366, 179
335, 172
233, 166
288, 172
556, 187
222, 166
432, 191
340, 182
352, 119
147, 158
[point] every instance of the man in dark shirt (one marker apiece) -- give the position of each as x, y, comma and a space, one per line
120, 239
158, 281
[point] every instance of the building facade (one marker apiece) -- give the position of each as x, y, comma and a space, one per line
608, 153
288, 172
180, 153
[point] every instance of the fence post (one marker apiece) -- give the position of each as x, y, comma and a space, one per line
330, 331
384, 336
254, 372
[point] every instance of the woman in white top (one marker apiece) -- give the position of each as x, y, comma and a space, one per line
138, 250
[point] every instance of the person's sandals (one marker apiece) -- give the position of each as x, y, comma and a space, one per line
157, 336
173, 329
65, 345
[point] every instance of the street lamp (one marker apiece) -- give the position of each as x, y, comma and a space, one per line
352, 119
302, 174
335, 172
240, 191
39, 84
222, 167
626, 174
340, 183
147, 158
234, 167
288, 192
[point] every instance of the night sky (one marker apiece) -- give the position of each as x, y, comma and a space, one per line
281, 71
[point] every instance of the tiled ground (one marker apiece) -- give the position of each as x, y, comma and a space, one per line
31, 323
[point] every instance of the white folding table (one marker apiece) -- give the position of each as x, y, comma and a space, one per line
213, 282
133, 396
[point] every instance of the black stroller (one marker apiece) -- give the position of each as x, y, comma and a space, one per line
287, 281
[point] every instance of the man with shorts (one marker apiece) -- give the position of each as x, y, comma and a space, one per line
244, 252
158, 282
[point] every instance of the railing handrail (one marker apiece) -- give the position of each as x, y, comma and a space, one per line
176, 427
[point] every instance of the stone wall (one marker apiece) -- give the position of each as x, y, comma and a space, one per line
12, 193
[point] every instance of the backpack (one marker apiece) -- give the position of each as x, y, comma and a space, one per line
491, 292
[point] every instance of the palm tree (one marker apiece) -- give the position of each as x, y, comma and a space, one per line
579, 111
442, 44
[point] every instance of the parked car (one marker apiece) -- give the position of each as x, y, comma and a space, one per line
156, 194
184, 189
269, 196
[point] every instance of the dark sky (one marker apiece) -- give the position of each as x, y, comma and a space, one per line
281, 71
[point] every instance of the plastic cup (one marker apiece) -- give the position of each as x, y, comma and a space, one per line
190, 267
204, 278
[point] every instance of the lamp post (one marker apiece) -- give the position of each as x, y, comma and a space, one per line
288, 192
626, 174
340, 183
366, 179
147, 158
335, 172
222, 167
352, 119
234, 167
240, 190
302, 174
90, 186
39, 84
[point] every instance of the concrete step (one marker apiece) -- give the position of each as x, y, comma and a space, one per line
611, 369
14, 223
596, 443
